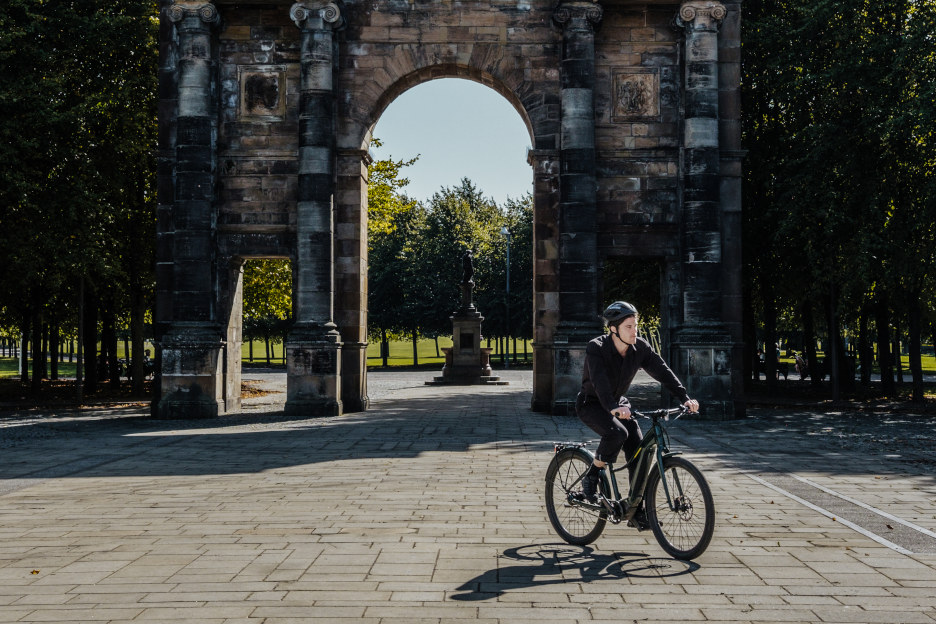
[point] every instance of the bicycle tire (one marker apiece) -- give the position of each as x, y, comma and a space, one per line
684, 533
574, 524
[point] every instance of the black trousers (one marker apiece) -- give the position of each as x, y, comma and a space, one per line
616, 434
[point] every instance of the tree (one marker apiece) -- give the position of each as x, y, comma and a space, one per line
394, 221
77, 116
837, 96
267, 300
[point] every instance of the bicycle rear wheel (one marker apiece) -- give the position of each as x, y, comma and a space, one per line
685, 530
574, 523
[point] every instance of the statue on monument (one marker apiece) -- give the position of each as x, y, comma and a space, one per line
467, 267
466, 361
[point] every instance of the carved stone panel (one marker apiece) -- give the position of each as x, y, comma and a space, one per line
262, 92
635, 94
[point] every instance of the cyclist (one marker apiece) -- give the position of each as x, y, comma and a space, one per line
611, 362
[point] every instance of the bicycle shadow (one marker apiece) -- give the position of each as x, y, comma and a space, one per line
563, 563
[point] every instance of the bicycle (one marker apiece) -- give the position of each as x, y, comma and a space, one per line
679, 504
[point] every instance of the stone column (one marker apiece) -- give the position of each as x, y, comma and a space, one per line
578, 256
351, 276
703, 343
313, 346
701, 209
192, 363
545, 165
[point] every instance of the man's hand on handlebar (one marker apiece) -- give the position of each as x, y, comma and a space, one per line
693, 405
623, 412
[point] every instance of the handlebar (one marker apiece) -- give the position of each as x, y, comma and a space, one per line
665, 414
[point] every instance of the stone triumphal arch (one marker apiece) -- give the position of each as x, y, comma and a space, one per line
266, 109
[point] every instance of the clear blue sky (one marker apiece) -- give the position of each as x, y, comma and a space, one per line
459, 129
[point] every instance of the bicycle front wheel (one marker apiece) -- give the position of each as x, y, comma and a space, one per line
574, 523
684, 529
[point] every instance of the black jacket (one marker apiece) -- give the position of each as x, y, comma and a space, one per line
607, 375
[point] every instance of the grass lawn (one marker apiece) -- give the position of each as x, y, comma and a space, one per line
928, 361
401, 354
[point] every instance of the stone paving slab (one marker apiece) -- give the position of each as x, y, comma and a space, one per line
428, 508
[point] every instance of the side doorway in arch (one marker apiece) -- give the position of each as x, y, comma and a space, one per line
640, 281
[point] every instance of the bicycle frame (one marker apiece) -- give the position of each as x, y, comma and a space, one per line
654, 447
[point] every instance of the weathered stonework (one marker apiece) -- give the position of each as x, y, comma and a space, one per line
266, 113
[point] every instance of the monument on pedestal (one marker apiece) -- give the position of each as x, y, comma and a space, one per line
466, 361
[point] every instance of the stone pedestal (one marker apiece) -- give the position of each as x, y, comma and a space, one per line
192, 373
466, 362
313, 361
704, 358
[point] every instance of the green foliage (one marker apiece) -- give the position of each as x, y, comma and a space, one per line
385, 200
267, 298
415, 257
77, 136
267, 289
839, 104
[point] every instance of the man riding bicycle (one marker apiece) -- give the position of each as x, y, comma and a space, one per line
611, 362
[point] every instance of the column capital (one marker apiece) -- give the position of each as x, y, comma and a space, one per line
578, 14
701, 14
545, 163
207, 12
317, 15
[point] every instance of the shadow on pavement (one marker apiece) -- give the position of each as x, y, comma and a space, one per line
136, 444
557, 564
453, 419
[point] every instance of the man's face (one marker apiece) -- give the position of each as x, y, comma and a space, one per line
627, 330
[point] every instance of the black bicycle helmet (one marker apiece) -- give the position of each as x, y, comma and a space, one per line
617, 312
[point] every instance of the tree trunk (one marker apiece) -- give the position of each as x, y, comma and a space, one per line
770, 339
882, 321
415, 349
384, 347
137, 360
916, 360
898, 360
37, 354
809, 344
266, 340
54, 345
89, 339
25, 341
109, 345
832, 355
749, 331
865, 350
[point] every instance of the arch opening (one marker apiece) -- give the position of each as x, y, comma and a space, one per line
458, 116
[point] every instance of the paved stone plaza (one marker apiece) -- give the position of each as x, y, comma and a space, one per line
429, 508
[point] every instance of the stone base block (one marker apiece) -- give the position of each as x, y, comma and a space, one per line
192, 380
704, 364
312, 407
313, 373
188, 403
